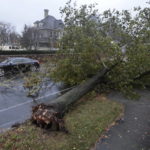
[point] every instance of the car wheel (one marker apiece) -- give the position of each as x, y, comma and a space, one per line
33, 68
2, 73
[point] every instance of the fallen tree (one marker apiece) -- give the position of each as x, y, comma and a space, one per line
90, 45
50, 115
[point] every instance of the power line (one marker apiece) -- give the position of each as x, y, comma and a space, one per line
37, 99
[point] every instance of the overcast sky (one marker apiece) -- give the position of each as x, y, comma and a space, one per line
20, 12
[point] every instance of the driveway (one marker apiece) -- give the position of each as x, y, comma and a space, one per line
15, 106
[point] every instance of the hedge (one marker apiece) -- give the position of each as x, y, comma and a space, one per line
24, 52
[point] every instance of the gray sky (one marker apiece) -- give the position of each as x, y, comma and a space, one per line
20, 12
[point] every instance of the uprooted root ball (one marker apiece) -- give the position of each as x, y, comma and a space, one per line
46, 117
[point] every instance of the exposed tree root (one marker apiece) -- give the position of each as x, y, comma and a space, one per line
46, 117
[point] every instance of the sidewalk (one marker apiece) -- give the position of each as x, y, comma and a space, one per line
133, 131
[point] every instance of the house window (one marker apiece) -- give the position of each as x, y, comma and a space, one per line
40, 24
40, 36
51, 34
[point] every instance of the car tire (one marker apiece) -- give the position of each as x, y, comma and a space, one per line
2, 73
33, 68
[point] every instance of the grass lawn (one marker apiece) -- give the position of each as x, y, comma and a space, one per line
86, 121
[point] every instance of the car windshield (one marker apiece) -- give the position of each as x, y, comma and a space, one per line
6, 61
17, 60
21, 60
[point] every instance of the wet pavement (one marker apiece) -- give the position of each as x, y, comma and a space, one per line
132, 132
15, 106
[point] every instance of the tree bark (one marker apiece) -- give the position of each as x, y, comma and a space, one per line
61, 104
142, 75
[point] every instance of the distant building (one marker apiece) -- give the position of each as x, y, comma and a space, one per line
11, 42
49, 31
11, 47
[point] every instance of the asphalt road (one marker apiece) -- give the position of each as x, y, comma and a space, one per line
15, 106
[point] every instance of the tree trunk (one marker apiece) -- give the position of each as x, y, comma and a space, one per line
140, 76
61, 104
51, 114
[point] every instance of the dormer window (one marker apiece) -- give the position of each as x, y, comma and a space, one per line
40, 24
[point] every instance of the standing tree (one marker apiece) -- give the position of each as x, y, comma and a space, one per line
30, 38
26, 38
8, 35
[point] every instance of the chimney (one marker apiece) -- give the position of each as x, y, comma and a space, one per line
46, 13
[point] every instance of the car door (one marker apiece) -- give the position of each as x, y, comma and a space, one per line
14, 65
23, 64
17, 65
